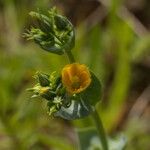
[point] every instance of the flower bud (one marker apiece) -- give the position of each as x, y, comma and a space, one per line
53, 33
43, 21
43, 79
61, 22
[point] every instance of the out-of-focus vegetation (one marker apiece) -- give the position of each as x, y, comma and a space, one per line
112, 39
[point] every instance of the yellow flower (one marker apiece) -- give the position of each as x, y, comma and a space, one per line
76, 77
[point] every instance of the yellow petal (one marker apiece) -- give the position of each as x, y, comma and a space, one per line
76, 77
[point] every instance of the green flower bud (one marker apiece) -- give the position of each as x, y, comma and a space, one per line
43, 79
48, 86
53, 33
43, 21
44, 92
61, 22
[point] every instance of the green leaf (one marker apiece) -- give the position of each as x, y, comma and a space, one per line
77, 109
92, 94
89, 140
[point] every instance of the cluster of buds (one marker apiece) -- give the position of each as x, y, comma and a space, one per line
50, 88
52, 32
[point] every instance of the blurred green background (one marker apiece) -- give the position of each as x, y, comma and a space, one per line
112, 38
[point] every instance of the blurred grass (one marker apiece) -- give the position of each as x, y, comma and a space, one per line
110, 50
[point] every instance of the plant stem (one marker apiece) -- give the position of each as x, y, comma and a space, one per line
70, 56
96, 118
100, 129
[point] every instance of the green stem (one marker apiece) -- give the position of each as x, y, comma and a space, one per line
100, 130
70, 56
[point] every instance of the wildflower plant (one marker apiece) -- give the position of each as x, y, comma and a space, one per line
74, 92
